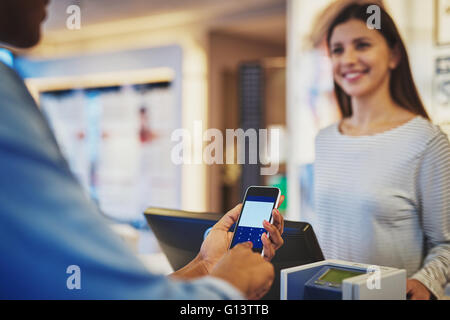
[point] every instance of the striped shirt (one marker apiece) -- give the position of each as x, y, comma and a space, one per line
385, 199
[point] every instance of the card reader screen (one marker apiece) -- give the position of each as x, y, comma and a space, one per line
336, 276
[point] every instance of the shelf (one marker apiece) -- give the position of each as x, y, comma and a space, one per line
99, 80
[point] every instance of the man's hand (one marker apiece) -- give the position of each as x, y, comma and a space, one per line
415, 290
219, 238
273, 240
245, 270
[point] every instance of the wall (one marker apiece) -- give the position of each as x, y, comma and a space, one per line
423, 51
88, 66
98, 40
226, 52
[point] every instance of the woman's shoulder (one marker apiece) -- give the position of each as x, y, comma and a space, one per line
328, 131
420, 136
327, 136
426, 131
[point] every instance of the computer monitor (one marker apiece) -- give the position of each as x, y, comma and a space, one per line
180, 235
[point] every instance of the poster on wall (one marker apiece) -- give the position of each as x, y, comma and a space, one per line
442, 93
442, 22
117, 143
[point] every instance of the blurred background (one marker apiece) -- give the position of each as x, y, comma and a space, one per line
115, 90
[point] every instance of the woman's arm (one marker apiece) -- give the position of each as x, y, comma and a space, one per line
434, 196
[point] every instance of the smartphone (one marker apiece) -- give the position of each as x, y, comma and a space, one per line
257, 206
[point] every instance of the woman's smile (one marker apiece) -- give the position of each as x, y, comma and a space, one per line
353, 76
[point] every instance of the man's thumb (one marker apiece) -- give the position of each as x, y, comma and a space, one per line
245, 245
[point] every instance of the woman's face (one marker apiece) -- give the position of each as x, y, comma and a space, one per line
361, 58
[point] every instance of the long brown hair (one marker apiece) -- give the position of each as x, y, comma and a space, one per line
402, 87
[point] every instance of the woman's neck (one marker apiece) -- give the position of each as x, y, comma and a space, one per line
375, 109
370, 111
375, 113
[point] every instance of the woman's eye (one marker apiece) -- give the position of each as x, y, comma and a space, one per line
337, 50
362, 45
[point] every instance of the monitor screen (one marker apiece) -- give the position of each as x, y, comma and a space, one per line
336, 276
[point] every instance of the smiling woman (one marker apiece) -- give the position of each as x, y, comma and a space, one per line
382, 175
380, 46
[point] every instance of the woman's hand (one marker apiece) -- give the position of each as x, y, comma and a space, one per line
219, 238
415, 290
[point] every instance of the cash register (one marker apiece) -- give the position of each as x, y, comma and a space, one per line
342, 280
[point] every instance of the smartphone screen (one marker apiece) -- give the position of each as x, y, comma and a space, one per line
258, 206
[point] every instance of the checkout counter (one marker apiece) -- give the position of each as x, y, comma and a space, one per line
341, 280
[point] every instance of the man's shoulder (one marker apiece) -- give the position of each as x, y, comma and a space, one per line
22, 126
15, 99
